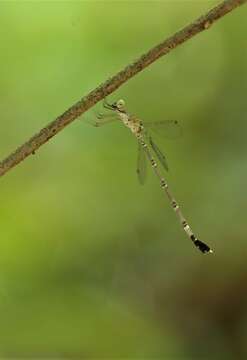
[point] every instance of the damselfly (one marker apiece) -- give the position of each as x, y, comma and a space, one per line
146, 149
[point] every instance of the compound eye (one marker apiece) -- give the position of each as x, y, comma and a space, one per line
120, 103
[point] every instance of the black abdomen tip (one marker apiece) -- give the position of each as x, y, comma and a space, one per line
202, 247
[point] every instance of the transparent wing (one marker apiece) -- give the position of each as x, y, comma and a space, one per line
169, 129
159, 154
141, 164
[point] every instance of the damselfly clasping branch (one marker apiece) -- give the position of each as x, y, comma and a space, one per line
146, 149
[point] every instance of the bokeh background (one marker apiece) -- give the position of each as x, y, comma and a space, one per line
92, 264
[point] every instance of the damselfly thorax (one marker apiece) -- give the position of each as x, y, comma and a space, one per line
148, 150
133, 123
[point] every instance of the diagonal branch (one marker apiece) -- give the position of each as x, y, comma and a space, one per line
200, 24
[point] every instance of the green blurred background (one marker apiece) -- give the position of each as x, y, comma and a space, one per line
93, 265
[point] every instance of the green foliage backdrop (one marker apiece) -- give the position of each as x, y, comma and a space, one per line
91, 263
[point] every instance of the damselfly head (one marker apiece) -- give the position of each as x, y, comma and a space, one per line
117, 105
120, 105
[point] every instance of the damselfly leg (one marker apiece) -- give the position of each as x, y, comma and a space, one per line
106, 105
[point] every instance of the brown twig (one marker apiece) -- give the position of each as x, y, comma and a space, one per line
202, 23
